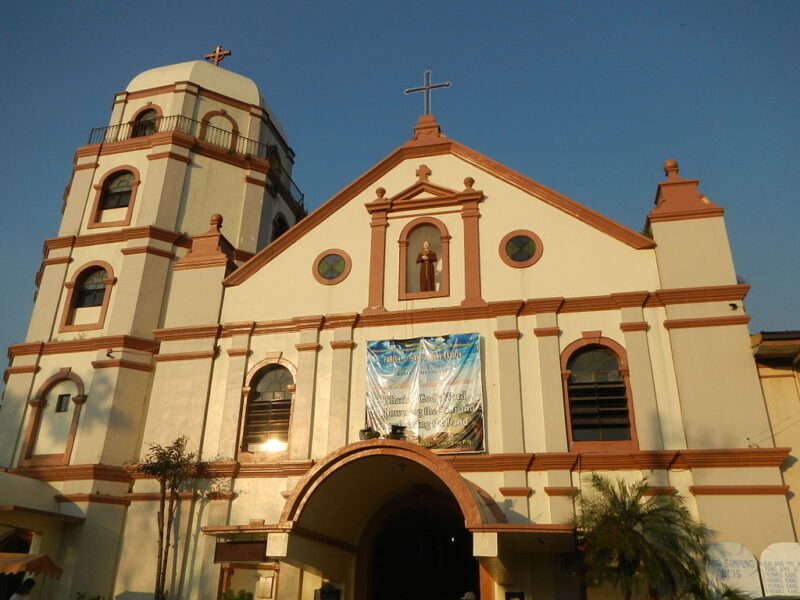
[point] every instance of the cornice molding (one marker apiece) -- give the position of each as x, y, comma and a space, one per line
706, 322
467, 463
117, 342
739, 490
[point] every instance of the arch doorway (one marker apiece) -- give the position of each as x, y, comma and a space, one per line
386, 520
417, 548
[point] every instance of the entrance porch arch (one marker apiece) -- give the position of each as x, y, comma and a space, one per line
337, 510
475, 504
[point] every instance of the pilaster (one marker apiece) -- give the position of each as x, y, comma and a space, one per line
377, 255
302, 418
217, 512
511, 422
342, 348
643, 392
19, 378
254, 232
235, 395
470, 214
163, 184
113, 415
180, 391
184, 99
552, 393
49, 296
78, 194
139, 295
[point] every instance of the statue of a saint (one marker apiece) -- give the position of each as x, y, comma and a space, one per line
427, 275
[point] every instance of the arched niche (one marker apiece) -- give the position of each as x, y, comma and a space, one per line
411, 242
53, 420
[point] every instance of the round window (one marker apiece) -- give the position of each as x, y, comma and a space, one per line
331, 267
520, 248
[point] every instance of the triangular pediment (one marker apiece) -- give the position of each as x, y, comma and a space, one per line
422, 190
428, 142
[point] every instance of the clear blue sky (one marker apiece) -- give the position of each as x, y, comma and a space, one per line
587, 98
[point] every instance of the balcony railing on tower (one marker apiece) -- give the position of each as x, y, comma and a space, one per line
229, 140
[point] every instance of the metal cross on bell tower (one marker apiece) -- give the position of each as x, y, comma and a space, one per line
426, 89
217, 55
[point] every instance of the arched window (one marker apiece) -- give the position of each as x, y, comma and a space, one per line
88, 296
91, 288
597, 396
145, 123
269, 407
279, 227
117, 191
115, 196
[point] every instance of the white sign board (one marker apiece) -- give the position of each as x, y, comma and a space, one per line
780, 569
735, 566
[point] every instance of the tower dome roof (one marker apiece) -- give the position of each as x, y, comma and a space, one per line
207, 76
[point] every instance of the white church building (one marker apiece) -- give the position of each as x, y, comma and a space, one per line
396, 394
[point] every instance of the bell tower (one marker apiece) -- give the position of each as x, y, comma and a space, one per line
183, 142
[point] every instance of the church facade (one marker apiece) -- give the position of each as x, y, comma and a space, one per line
396, 395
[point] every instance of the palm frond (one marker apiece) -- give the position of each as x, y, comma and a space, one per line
639, 542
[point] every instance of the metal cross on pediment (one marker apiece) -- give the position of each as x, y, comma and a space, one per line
426, 89
217, 55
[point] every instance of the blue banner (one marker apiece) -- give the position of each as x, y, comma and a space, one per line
432, 386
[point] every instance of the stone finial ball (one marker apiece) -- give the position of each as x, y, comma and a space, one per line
468, 182
381, 192
670, 165
216, 219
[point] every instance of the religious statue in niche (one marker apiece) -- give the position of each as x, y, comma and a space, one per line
427, 274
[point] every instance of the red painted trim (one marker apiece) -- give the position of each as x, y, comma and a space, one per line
546, 331
311, 482
507, 334
99, 498
706, 322
516, 492
739, 490
538, 191
560, 491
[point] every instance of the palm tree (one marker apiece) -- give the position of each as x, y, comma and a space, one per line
639, 542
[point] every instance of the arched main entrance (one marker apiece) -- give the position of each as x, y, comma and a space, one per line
416, 548
385, 520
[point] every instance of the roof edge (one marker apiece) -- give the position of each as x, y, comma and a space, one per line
600, 222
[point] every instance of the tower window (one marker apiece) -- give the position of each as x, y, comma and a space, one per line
91, 288
62, 403
145, 123
117, 191
279, 227
268, 410
597, 395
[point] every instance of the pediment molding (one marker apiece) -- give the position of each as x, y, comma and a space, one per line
424, 194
